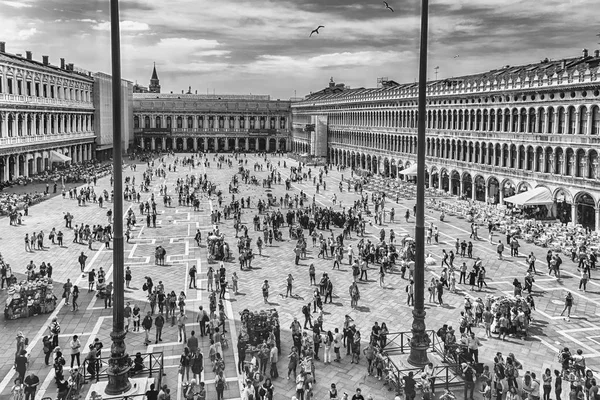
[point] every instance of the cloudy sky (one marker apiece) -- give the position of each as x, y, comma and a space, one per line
263, 46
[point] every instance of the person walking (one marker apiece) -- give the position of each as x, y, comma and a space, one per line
289, 282
500, 249
75, 297
181, 321
192, 274
159, 322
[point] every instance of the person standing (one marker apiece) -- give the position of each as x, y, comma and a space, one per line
568, 305
31, 384
108, 296
91, 279
500, 249
159, 322
289, 286
75, 345
127, 316
192, 274
410, 291
127, 277
181, 321
192, 342
440, 292
67, 291
473, 345
273, 359
147, 325
75, 297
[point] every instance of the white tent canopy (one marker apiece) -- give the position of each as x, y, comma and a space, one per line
536, 197
55, 156
410, 171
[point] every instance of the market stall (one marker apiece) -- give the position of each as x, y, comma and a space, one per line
28, 299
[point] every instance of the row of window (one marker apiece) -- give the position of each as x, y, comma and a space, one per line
45, 90
211, 122
569, 162
551, 120
39, 124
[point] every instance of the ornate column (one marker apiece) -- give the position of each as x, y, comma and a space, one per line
577, 123
184, 140
546, 120
247, 144
597, 217
152, 143
589, 122
206, 144
26, 165
226, 140
164, 144
237, 142
195, 142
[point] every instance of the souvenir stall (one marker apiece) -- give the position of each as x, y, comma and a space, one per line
28, 299
258, 327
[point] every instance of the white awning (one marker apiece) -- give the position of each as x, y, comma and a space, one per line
536, 197
410, 171
55, 156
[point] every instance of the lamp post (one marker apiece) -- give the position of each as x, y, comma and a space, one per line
118, 364
420, 340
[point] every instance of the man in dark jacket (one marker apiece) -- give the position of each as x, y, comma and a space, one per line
147, 325
159, 322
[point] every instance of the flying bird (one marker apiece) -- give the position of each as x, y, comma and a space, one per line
388, 6
316, 30
456, 56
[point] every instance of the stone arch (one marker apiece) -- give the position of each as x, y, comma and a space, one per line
480, 187
585, 209
467, 185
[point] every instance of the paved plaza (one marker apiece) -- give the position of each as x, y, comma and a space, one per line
175, 231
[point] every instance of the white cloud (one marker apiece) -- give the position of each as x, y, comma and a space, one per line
125, 26
274, 63
16, 4
25, 34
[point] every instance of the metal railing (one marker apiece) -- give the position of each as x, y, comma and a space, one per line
400, 341
153, 363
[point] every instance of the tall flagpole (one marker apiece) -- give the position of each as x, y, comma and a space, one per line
420, 341
118, 368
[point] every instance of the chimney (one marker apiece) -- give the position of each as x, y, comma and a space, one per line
45, 60
596, 53
585, 53
62, 63
70, 66
2, 47
28, 54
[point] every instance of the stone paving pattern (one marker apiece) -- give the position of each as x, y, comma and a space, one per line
175, 231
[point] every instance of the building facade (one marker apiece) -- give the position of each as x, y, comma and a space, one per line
103, 115
45, 110
489, 135
214, 123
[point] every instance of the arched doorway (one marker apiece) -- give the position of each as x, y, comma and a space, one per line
564, 205
272, 145
523, 187
190, 144
435, 178
211, 144
282, 145
493, 191
220, 145
585, 210
386, 167
393, 169
479, 188
508, 189
169, 145
467, 186
262, 144
158, 144
179, 144
455, 183
242, 144
252, 144
445, 180
231, 144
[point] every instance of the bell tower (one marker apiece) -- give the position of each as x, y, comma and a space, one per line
154, 82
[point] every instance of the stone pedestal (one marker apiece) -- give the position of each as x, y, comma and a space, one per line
118, 366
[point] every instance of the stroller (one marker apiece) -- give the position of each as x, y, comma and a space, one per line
101, 290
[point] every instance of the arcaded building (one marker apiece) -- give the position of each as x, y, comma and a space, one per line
212, 122
46, 114
489, 135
